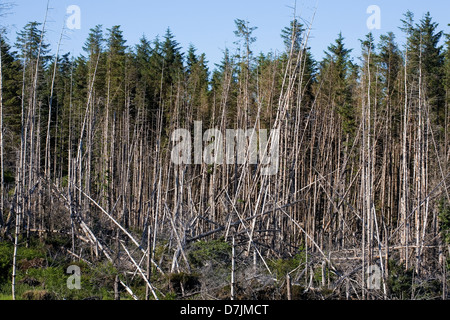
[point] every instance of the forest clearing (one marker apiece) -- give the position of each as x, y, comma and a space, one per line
355, 206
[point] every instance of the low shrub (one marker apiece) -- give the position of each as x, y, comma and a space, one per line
213, 251
38, 295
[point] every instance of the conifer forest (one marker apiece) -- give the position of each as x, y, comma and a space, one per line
358, 208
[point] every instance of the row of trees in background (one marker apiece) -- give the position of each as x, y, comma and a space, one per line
364, 150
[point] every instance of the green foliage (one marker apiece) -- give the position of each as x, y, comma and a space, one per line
444, 224
54, 278
42, 276
428, 290
38, 295
5, 297
400, 281
293, 36
170, 296
339, 71
426, 58
173, 60
94, 43
6, 255
11, 90
245, 33
29, 43
180, 282
447, 65
215, 251
26, 259
281, 267
444, 220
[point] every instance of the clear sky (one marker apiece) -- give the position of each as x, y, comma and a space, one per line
209, 24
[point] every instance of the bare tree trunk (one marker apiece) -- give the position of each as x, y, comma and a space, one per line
47, 140
16, 245
288, 287
405, 174
233, 266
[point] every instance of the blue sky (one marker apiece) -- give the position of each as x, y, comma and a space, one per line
209, 24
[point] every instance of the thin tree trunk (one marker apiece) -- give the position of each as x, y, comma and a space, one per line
405, 174
16, 245
233, 266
